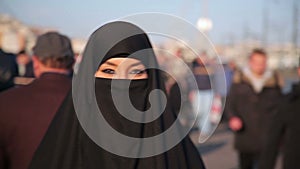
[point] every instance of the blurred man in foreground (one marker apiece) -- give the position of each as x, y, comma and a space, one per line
26, 111
285, 127
251, 102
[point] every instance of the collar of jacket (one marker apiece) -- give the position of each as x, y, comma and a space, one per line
53, 75
273, 81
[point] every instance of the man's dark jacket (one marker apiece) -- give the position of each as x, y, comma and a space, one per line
25, 114
254, 109
285, 128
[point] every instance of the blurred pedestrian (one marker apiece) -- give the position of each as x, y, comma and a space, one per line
285, 128
8, 70
251, 102
25, 64
66, 145
25, 69
179, 97
224, 73
203, 95
229, 69
27, 111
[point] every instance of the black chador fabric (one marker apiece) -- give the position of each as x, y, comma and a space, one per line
67, 146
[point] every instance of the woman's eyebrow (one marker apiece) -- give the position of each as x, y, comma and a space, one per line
110, 63
136, 64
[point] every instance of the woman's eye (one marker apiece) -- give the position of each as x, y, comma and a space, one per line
137, 71
108, 71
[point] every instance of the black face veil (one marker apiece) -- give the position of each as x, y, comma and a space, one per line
66, 144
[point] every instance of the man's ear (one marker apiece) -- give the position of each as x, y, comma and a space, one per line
36, 61
299, 71
37, 66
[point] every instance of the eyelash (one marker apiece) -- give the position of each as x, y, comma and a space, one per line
108, 71
135, 71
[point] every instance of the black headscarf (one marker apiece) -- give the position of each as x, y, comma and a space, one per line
67, 146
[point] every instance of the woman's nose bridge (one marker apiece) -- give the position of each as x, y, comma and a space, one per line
121, 73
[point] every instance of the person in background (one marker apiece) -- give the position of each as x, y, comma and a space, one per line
180, 98
252, 100
25, 64
284, 127
8, 70
202, 96
25, 69
223, 80
27, 111
229, 70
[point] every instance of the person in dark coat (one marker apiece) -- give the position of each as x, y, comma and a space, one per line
25, 69
80, 139
252, 100
27, 111
285, 128
8, 70
25, 65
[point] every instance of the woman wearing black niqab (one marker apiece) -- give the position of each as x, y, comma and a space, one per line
66, 145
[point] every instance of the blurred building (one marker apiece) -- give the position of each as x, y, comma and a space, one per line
16, 36
78, 45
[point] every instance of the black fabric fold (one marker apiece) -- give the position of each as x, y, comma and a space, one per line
67, 146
